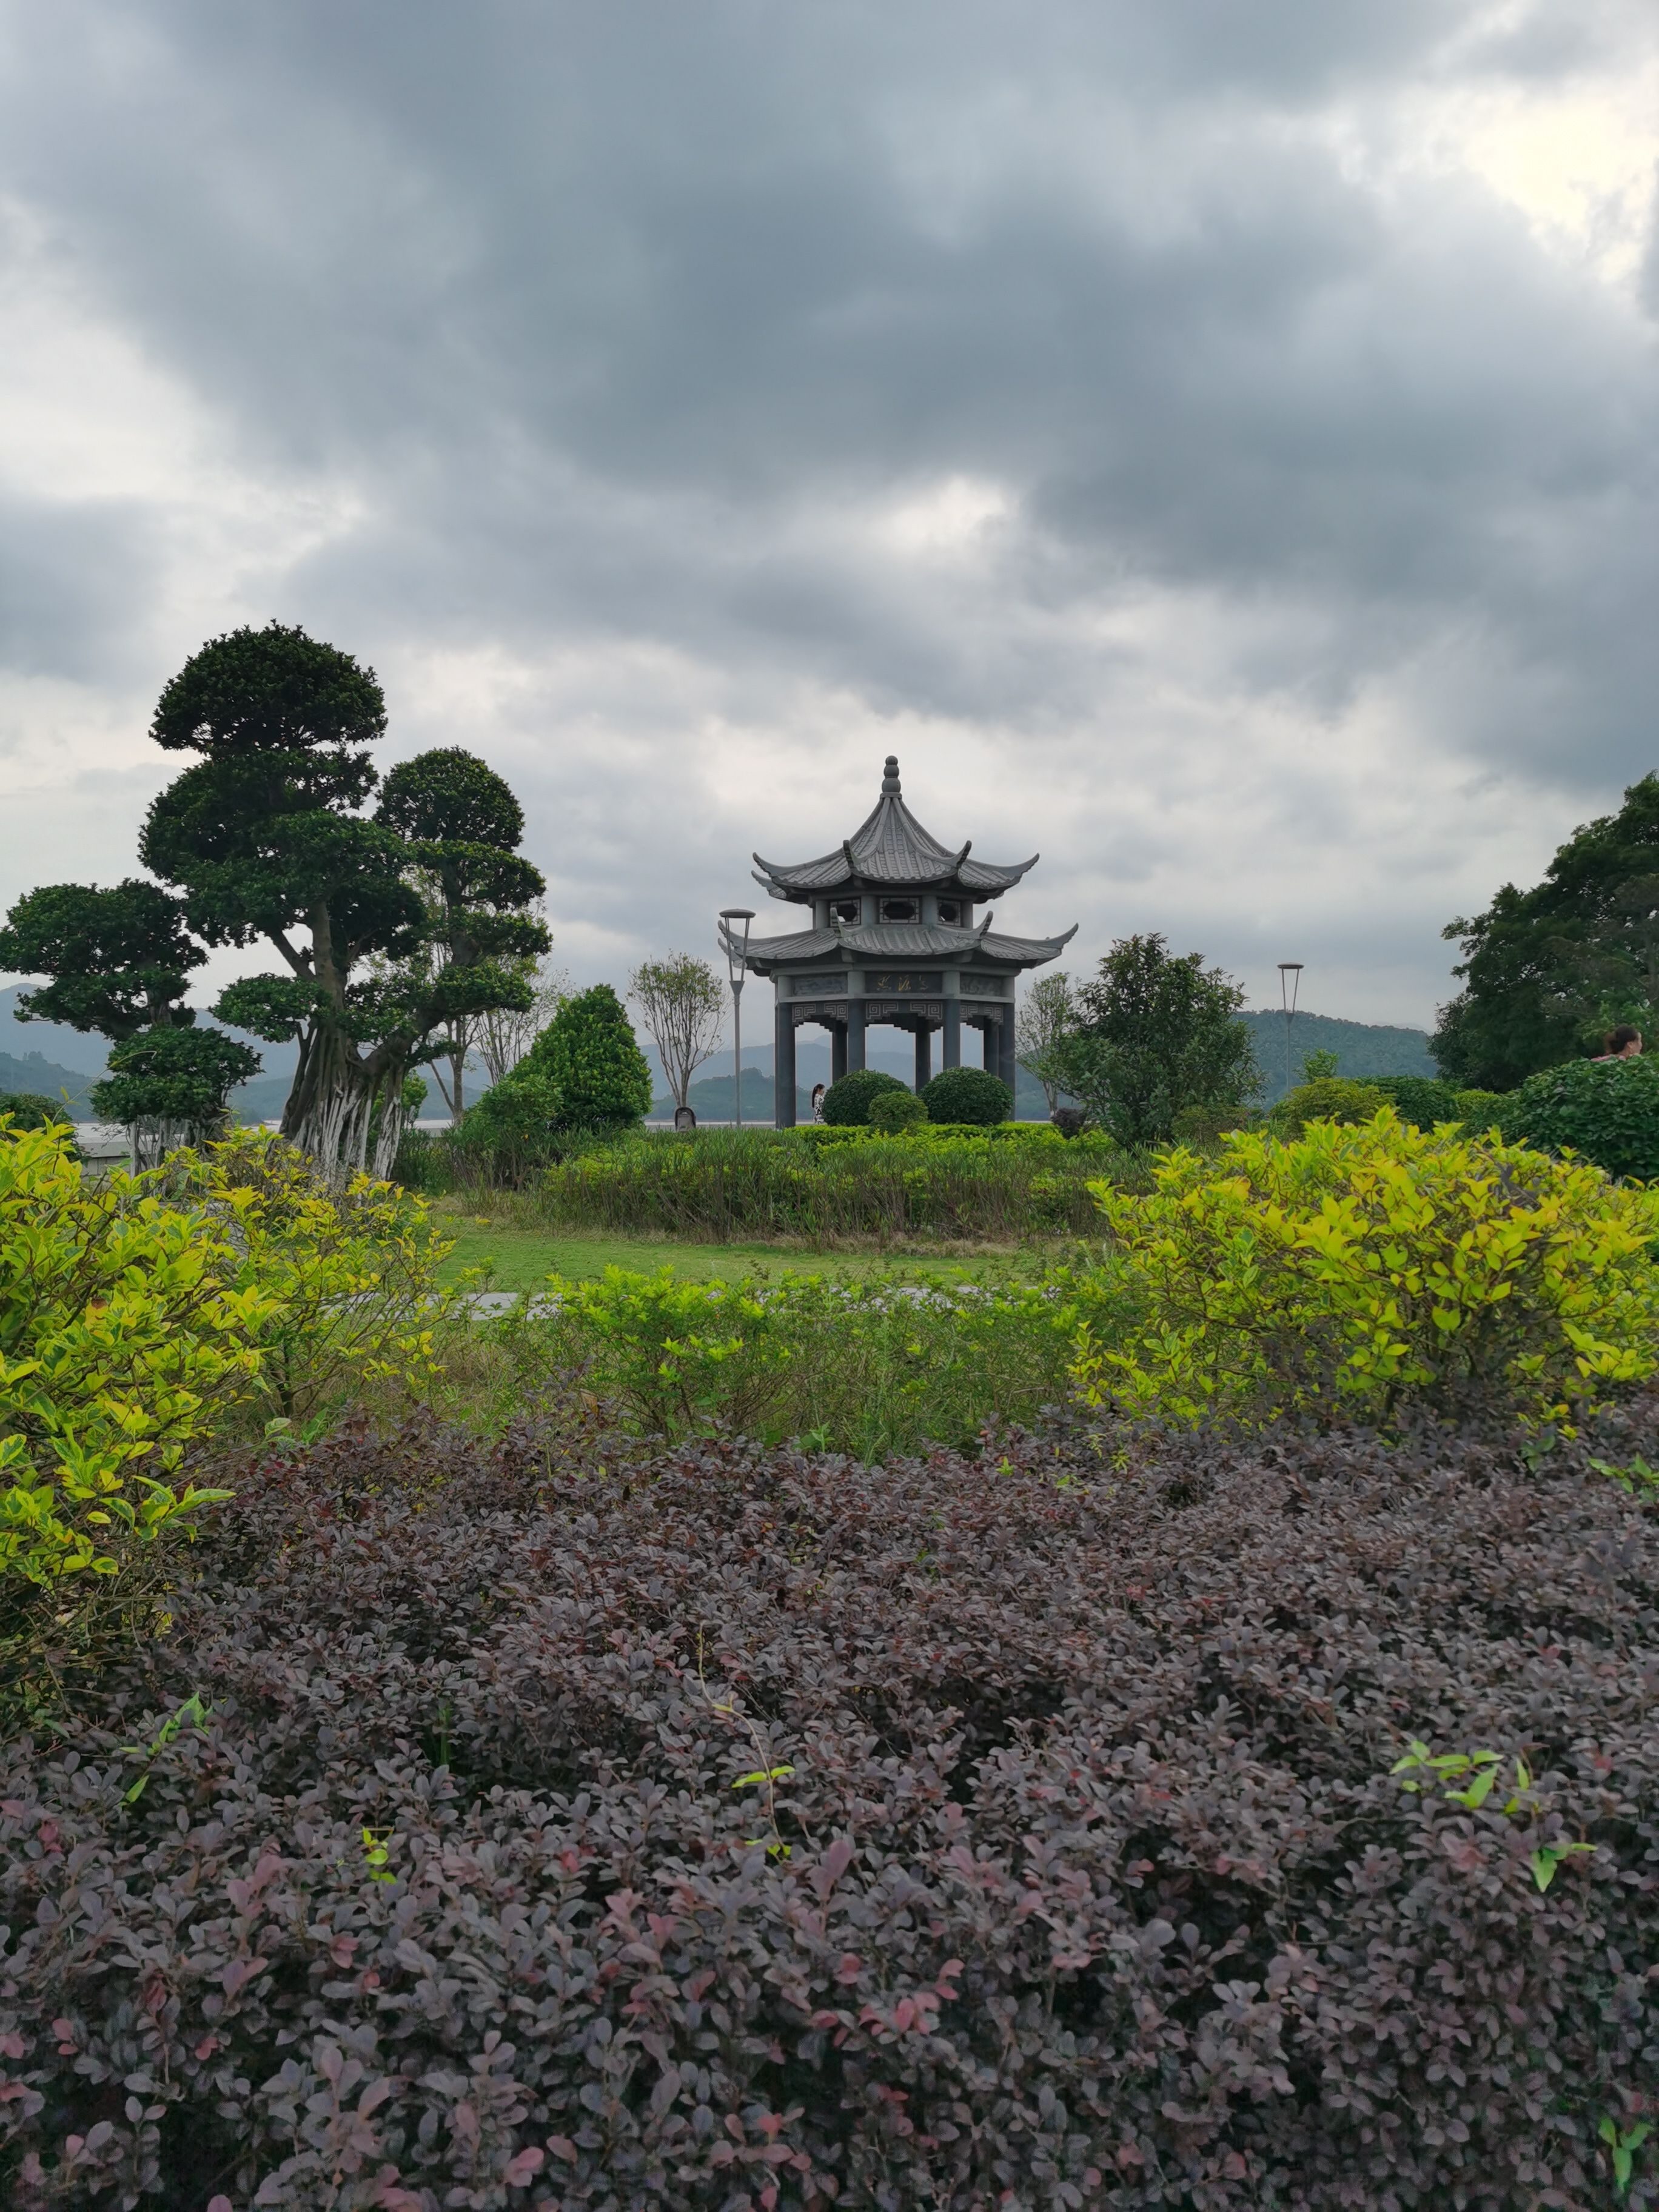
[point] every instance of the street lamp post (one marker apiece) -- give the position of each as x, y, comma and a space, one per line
737, 962
1290, 981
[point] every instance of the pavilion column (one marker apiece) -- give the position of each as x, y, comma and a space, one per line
1005, 1048
924, 1058
952, 1028
783, 1068
838, 1051
855, 1058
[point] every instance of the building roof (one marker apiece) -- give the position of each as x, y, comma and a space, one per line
901, 940
889, 850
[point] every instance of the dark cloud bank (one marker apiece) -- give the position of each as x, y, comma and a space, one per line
1171, 427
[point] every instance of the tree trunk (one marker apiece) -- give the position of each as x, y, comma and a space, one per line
458, 1070
327, 1112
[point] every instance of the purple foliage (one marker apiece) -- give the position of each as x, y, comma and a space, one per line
1088, 1884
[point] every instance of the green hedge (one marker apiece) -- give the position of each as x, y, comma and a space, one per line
1605, 1110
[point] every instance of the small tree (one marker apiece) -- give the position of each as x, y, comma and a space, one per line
1045, 1018
682, 1001
169, 1086
1153, 1034
119, 961
503, 1034
589, 1058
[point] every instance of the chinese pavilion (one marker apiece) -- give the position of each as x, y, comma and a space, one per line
894, 939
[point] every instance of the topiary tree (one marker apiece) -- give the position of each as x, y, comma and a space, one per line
169, 1086
1606, 1111
847, 1104
967, 1095
461, 822
589, 1054
119, 961
387, 927
893, 1112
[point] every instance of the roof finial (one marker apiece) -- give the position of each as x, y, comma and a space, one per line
889, 782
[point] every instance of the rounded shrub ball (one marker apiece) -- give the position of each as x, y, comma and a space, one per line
1332, 1098
1605, 1111
967, 1095
895, 1111
847, 1104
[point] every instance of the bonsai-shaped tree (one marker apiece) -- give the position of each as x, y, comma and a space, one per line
173, 1085
119, 961
265, 838
682, 1001
461, 823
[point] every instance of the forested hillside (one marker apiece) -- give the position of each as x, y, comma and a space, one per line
1361, 1047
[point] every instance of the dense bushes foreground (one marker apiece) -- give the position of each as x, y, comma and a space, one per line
757, 1831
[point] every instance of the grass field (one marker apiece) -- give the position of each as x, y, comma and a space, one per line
523, 1259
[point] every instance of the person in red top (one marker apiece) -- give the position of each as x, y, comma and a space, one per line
1623, 1043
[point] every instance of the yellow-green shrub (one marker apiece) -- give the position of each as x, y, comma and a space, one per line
348, 1278
1355, 1269
1327, 1098
138, 1316
127, 1325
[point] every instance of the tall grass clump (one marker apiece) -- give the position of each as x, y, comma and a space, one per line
873, 1368
821, 1185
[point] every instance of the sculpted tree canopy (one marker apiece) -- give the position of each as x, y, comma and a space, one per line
481, 938
1546, 971
119, 960
174, 1080
386, 926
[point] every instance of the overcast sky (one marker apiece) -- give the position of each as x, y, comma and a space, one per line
1213, 445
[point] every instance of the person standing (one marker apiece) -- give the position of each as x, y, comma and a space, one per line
1623, 1043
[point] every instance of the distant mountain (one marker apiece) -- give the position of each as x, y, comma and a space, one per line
66, 1086
88, 1056
1362, 1049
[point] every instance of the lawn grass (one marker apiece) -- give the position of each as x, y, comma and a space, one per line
523, 1259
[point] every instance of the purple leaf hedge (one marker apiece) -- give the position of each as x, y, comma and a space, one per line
1068, 1870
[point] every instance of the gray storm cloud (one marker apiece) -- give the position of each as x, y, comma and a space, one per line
1214, 445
